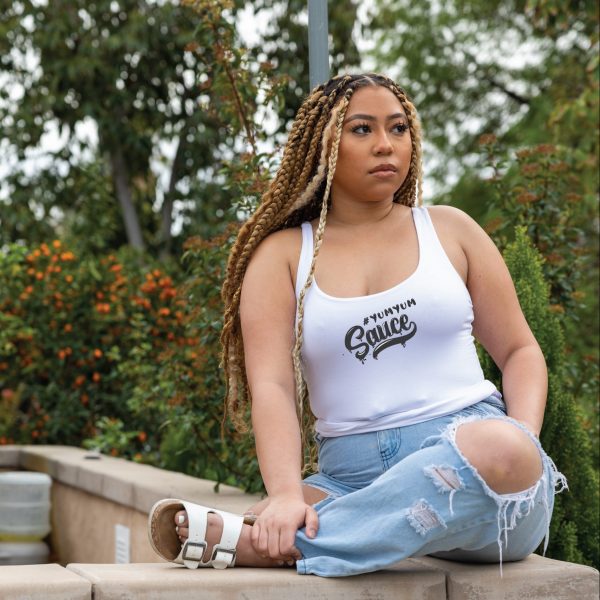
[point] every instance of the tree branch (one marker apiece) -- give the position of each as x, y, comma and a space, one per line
120, 179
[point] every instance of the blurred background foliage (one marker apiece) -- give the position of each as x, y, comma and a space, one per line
113, 240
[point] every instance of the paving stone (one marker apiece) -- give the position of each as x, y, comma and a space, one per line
166, 581
535, 578
42, 582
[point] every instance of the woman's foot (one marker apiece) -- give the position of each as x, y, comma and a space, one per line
246, 556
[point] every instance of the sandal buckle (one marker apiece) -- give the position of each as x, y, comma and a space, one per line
222, 563
194, 546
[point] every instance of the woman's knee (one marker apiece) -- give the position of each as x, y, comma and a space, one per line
503, 455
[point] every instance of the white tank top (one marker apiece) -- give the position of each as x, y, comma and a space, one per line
394, 358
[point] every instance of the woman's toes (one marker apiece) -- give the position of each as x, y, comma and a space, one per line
182, 532
181, 518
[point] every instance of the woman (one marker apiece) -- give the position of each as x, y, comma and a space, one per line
377, 315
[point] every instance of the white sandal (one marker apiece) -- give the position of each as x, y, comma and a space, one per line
165, 541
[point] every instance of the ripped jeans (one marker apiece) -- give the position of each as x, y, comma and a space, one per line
409, 491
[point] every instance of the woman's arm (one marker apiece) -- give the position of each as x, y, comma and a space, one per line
500, 325
267, 311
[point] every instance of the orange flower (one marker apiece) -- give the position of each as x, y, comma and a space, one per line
99, 295
79, 380
35, 434
164, 312
61, 354
68, 351
7, 394
29, 289
68, 327
116, 268
39, 275
56, 244
142, 436
97, 353
65, 256
85, 399
487, 139
45, 250
96, 377
103, 307
527, 197
31, 271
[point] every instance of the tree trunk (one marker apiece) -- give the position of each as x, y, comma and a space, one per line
167, 206
120, 179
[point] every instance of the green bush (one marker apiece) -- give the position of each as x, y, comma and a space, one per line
575, 528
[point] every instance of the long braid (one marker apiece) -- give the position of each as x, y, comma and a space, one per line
337, 119
300, 192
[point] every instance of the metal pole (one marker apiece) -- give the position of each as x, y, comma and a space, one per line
318, 42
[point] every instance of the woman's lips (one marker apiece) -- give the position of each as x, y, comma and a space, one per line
384, 173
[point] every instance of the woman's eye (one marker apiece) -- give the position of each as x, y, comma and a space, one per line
400, 127
362, 128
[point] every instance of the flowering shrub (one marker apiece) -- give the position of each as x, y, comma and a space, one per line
178, 396
67, 322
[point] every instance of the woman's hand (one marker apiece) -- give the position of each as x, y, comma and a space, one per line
274, 532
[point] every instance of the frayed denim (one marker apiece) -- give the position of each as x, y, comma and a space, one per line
409, 491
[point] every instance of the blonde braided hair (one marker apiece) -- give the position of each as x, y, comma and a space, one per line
298, 193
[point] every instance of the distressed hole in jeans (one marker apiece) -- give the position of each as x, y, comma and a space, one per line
423, 517
446, 479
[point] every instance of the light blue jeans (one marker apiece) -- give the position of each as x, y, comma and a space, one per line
409, 491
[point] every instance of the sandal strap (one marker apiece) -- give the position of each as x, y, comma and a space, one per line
192, 551
224, 552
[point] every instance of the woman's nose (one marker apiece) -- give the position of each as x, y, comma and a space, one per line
383, 145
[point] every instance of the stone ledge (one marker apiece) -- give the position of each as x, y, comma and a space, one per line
42, 582
10, 457
125, 491
408, 581
535, 578
124, 482
426, 578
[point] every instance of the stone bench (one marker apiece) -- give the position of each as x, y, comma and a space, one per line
90, 497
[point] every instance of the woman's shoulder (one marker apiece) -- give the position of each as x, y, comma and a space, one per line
453, 221
282, 245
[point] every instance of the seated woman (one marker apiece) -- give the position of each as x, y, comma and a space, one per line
347, 299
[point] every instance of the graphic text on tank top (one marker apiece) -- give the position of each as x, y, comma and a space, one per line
381, 330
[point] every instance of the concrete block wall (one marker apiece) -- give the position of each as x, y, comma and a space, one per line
91, 496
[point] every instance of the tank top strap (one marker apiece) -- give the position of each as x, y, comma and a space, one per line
306, 254
430, 247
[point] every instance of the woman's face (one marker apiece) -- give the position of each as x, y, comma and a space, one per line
375, 147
